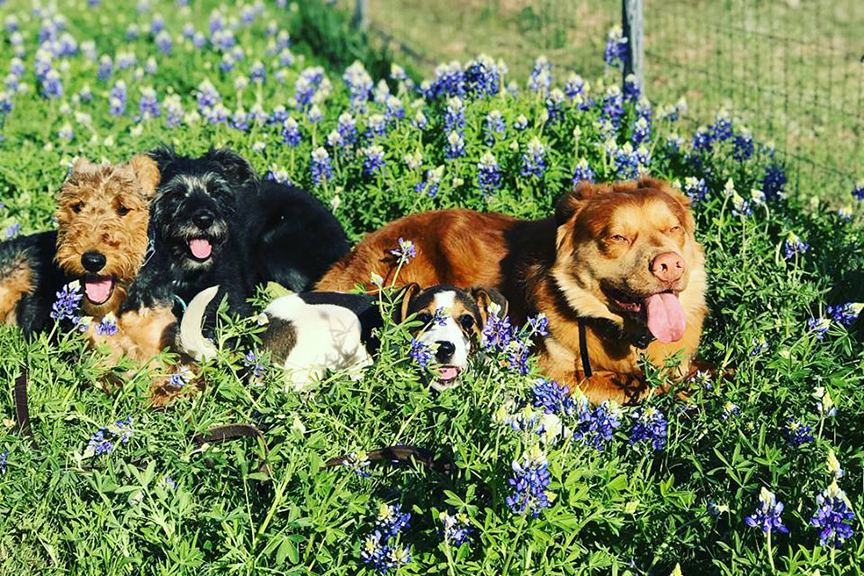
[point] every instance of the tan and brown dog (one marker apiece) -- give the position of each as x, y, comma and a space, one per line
617, 263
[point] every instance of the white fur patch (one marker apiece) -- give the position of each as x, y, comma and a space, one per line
328, 338
449, 332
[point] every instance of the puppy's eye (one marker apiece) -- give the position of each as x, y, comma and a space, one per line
424, 318
76, 207
122, 211
466, 321
619, 238
676, 230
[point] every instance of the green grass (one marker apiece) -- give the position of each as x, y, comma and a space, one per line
625, 510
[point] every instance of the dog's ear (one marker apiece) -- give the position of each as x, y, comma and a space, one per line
147, 173
569, 204
408, 294
490, 302
234, 166
162, 155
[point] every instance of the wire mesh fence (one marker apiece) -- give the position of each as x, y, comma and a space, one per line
791, 70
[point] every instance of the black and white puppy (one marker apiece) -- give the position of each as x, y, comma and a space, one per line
311, 333
193, 217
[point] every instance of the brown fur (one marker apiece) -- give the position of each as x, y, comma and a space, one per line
601, 237
17, 282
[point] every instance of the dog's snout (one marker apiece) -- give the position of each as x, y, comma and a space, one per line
667, 267
93, 261
203, 218
445, 351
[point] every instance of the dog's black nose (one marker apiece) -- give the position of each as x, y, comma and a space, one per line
93, 261
202, 218
445, 351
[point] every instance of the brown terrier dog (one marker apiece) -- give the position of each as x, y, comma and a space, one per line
616, 270
103, 215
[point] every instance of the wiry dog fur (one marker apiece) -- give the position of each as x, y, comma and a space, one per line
101, 241
195, 207
311, 333
593, 260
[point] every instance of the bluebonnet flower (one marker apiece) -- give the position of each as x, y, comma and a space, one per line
157, 24
498, 333
420, 120
358, 462
455, 145
552, 397
521, 123
314, 114
381, 92
432, 183
583, 172
395, 109
107, 326
384, 556
703, 140
575, 87
320, 165
632, 90
721, 130
449, 80
149, 103
696, 189
374, 159
347, 128
541, 75
164, 43
291, 132
439, 317
554, 106
181, 378
456, 528
530, 484
742, 146
391, 520
613, 106
845, 314
66, 132
406, 251
797, 433
833, 516
673, 112
253, 365
649, 426
774, 182
397, 73
858, 190
615, 53
258, 73
819, 326
16, 67
495, 126
169, 482
174, 113
13, 230
533, 162
198, 40
206, 95
216, 22
597, 427
376, 126
307, 85
703, 380
227, 63
488, 174
414, 160
833, 465
278, 175
420, 352
629, 162
641, 131
4, 460
67, 303
825, 406
122, 430
52, 86
98, 444
845, 213
794, 246
483, 77
454, 115
730, 410
538, 325
106, 68
767, 515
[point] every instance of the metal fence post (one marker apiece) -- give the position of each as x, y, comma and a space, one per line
361, 15
632, 24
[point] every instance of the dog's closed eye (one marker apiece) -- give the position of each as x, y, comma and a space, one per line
122, 211
76, 207
424, 318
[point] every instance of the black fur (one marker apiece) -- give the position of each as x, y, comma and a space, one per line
33, 311
290, 236
197, 199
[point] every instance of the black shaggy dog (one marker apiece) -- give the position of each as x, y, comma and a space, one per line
215, 222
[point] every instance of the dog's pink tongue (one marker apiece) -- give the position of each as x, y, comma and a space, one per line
447, 373
666, 319
200, 248
98, 290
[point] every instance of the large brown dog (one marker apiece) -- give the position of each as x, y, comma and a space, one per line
620, 260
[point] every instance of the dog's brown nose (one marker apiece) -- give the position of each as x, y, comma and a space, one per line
668, 267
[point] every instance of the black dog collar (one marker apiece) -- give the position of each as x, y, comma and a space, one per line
640, 342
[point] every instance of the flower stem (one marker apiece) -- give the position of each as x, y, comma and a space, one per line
770, 551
